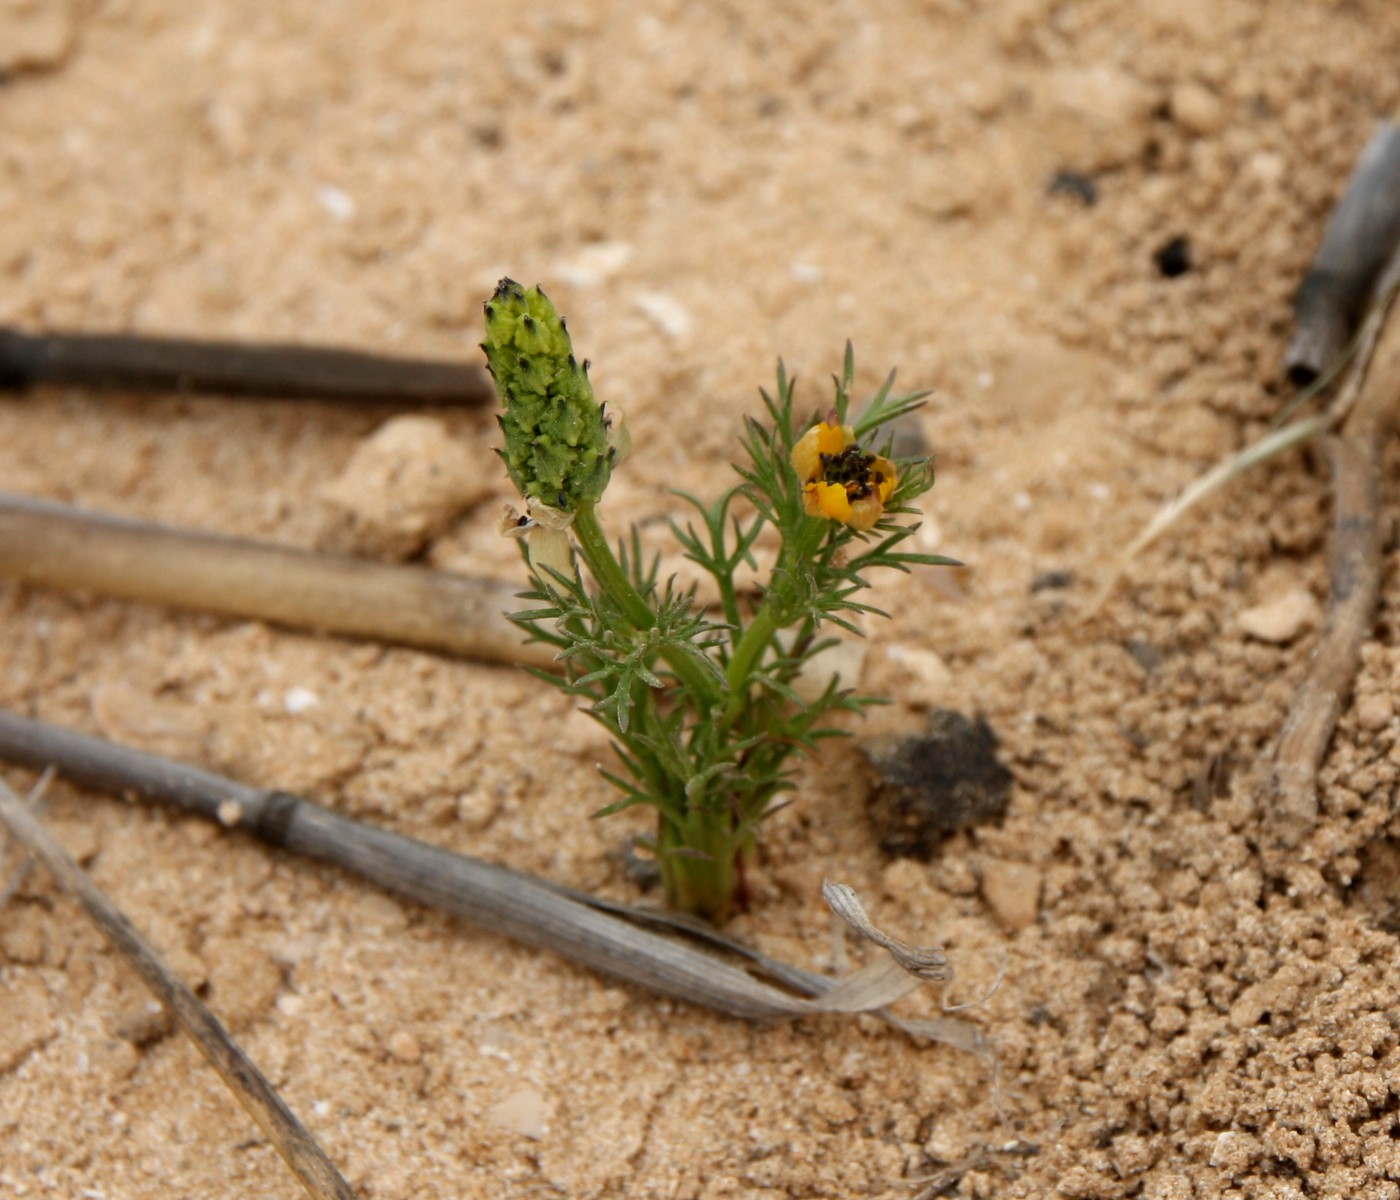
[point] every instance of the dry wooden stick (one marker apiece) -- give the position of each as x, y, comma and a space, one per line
301, 1152
1361, 236
57, 546
644, 949
1357, 544
136, 362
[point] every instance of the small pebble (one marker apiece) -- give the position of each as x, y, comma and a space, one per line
230, 813
298, 700
665, 312
844, 662
1283, 618
404, 1046
1173, 258
402, 487
1099, 117
1012, 891
38, 36
1197, 109
1267, 166
1075, 184
1235, 1152
338, 204
142, 1021
594, 264
927, 680
1052, 580
524, 1111
1374, 711
477, 809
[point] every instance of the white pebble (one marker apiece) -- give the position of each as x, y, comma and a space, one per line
403, 1046
337, 202
665, 312
1283, 618
298, 700
594, 264
525, 1111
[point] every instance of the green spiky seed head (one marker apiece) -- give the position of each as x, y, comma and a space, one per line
556, 432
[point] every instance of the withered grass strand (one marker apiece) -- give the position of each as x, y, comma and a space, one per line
58, 546
1362, 234
1358, 543
298, 1148
267, 370
1342, 307
671, 957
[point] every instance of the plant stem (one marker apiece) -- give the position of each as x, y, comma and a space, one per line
698, 855
767, 621
701, 865
604, 567
755, 639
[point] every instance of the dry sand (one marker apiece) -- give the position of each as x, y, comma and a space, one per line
703, 188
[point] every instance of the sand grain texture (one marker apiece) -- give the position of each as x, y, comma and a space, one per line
702, 188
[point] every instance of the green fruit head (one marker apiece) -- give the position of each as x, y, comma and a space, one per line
555, 430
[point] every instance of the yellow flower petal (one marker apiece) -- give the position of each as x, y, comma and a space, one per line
865, 512
807, 455
863, 483
820, 439
888, 477
833, 501
832, 439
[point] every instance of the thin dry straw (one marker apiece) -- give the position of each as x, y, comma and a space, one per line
57, 546
716, 972
301, 1152
135, 362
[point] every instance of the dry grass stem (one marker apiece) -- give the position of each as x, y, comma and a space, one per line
673, 957
301, 1152
57, 546
284, 371
1207, 485
1357, 354
1372, 411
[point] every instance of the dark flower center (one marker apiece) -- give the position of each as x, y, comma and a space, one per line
852, 469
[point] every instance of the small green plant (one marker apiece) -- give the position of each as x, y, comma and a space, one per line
702, 705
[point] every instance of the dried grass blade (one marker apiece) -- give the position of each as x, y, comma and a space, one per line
301, 1152
1212, 481
699, 967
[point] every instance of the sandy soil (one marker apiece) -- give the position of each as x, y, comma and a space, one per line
703, 188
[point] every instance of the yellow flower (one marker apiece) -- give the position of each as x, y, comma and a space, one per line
840, 480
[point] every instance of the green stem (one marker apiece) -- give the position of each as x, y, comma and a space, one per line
604, 567
702, 864
767, 621
755, 640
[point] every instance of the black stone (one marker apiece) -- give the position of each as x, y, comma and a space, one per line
934, 783
1048, 581
1075, 184
1173, 258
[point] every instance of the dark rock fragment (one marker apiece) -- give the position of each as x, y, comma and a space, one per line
1173, 258
933, 783
1076, 184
